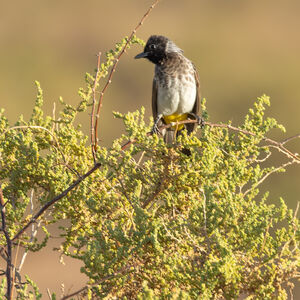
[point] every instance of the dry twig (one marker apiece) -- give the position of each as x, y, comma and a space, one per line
95, 139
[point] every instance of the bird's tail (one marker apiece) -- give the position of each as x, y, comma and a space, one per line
170, 136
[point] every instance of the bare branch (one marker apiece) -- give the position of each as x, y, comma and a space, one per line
92, 129
33, 232
114, 69
296, 210
75, 293
160, 184
49, 294
255, 185
290, 139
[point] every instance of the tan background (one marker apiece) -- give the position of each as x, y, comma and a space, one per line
242, 49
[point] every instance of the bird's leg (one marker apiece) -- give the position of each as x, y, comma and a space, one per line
199, 119
155, 129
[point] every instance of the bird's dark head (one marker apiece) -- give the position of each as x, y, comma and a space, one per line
157, 49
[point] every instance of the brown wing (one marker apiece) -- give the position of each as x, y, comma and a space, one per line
195, 110
197, 102
154, 110
154, 99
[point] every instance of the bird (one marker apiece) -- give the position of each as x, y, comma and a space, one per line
175, 88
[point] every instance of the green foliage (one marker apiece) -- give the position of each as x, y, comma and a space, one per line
2, 288
153, 223
27, 290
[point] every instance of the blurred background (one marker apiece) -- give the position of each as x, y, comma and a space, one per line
242, 49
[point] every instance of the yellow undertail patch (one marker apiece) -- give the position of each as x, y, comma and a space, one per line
176, 118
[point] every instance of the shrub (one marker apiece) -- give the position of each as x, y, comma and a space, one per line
147, 221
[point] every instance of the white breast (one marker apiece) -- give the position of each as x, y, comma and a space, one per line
177, 95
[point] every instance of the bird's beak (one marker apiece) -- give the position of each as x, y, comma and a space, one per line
142, 55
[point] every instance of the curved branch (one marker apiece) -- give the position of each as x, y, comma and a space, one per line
114, 69
278, 145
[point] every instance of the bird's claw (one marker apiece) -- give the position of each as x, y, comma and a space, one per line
155, 129
200, 120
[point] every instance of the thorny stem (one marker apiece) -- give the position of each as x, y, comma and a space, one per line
95, 139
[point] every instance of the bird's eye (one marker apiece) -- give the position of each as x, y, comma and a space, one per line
152, 46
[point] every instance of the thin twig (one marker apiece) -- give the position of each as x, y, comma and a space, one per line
296, 210
263, 159
171, 235
161, 183
204, 212
290, 138
53, 117
265, 238
277, 145
49, 294
93, 141
123, 191
255, 185
291, 286
33, 232
75, 293
114, 69
140, 159
14, 270
55, 199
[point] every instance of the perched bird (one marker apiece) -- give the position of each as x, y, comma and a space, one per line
175, 92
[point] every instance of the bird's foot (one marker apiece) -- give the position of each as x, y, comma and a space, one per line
200, 120
155, 129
